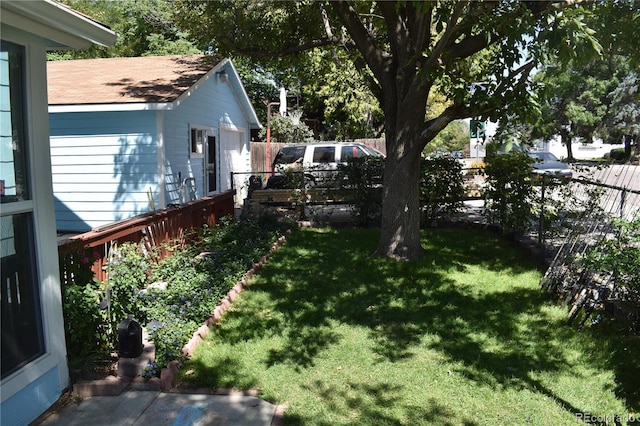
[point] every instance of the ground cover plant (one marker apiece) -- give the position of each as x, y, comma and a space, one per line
464, 336
198, 277
172, 297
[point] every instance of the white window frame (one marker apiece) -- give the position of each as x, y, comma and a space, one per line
196, 150
40, 205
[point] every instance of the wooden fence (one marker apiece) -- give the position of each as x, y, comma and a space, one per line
154, 229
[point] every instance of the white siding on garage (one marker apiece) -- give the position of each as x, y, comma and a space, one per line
213, 106
104, 176
233, 155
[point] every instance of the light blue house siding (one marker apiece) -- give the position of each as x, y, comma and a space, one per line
103, 165
113, 165
23, 407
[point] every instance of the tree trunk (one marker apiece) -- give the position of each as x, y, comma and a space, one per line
566, 140
627, 147
570, 158
400, 222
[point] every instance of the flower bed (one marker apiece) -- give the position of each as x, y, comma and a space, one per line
173, 296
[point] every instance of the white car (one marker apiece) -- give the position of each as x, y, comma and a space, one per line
316, 162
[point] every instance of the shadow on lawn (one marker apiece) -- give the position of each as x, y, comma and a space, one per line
400, 302
370, 401
494, 337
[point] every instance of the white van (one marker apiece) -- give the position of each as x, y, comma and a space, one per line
316, 161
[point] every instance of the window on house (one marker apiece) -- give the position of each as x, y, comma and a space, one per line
198, 137
22, 332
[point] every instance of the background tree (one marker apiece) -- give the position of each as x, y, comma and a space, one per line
581, 101
261, 84
287, 130
144, 28
335, 93
575, 100
406, 51
332, 95
589, 96
623, 122
454, 137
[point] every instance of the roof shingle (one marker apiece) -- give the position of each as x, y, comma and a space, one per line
147, 79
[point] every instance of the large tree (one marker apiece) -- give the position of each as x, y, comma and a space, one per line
477, 54
581, 101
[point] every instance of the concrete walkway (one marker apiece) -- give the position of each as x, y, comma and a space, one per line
171, 409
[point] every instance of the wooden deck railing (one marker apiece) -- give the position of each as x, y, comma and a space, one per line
152, 229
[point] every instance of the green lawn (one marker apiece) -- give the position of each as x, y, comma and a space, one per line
464, 337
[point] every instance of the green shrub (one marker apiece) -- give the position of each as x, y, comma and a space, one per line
441, 188
509, 198
619, 255
199, 276
85, 322
618, 155
294, 178
127, 273
195, 285
169, 337
364, 176
283, 129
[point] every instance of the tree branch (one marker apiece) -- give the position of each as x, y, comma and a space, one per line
396, 34
325, 21
375, 58
437, 124
471, 45
327, 29
525, 70
424, 25
457, 112
433, 59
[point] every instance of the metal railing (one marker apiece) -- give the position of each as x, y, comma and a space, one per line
613, 201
